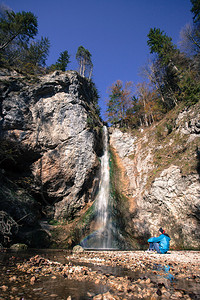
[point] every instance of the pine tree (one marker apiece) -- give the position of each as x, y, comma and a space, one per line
195, 10
83, 57
22, 25
166, 66
34, 56
161, 44
62, 62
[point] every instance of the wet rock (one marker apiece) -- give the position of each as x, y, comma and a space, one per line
32, 280
18, 247
78, 249
147, 286
159, 293
108, 296
178, 295
98, 297
4, 288
154, 297
13, 278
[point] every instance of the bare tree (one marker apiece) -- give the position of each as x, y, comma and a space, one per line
190, 40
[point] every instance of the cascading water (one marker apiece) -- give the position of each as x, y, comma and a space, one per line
103, 195
102, 237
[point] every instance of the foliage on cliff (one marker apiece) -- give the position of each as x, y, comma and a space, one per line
20, 51
157, 174
172, 77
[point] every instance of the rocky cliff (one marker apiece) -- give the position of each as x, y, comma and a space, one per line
50, 144
156, 174
50, 135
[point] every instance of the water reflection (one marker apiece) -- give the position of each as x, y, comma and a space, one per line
166, 270
18, 285
57, 287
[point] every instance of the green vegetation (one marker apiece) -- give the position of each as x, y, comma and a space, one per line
83, 57
171, 147
120, 98
21, 26
20, 51
17, 47
62, 62
172, 77
120, 210
161, 44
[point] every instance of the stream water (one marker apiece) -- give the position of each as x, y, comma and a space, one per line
45, 288
16, 285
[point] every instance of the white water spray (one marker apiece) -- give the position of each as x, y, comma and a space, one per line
104, 190
103, 235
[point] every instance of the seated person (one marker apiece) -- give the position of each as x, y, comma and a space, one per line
160, 243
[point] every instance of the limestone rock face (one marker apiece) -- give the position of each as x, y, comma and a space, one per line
159, 175
54, 150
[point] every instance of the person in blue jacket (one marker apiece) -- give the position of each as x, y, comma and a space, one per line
160, 243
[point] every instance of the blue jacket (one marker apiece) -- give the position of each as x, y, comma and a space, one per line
163, 241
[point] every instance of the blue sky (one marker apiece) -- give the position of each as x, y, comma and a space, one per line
114, 31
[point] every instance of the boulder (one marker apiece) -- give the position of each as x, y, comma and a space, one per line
78, 249
18, 247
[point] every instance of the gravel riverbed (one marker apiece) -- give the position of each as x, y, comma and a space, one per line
104, 275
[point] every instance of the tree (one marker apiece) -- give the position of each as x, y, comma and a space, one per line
83, 57
113, 105
134, 113
195, 10
147, 100
190, 40
168, 62
62, 62
119, 102
161, 44
152, 73
34, 56
22, 25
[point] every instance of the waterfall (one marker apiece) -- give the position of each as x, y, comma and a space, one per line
102, 217
104, 190
101, 237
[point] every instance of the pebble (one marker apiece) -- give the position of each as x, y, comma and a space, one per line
13, 278
32, 280
156, 287
4, 288
98, 297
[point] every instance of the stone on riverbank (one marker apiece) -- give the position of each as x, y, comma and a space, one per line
78, 249
146, 276
18, 247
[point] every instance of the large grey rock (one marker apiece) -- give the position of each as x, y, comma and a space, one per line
46, 121
159, 191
